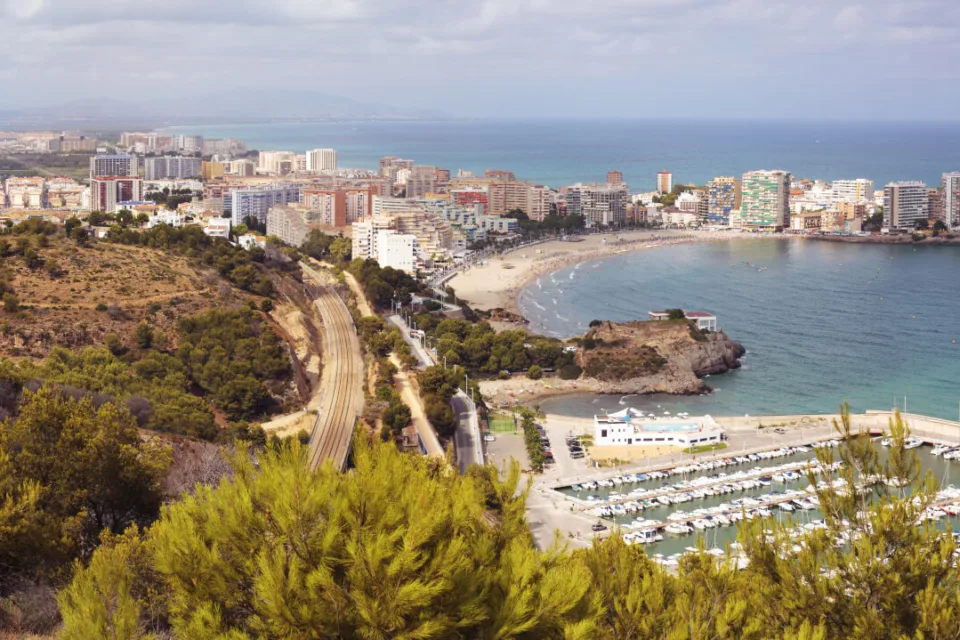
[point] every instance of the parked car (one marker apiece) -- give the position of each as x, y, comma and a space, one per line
599, 527
779, 430
576, 455
489, 437
549, 459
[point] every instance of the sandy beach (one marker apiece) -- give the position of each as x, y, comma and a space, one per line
497, 283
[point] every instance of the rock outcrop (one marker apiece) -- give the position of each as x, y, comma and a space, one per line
654, 357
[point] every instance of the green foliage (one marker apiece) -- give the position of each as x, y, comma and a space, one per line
143, 335
382, 285
570, 372
356, 556
676, 314
531, 438
535, 372
595, 323
68, 470
439, 555
231, 354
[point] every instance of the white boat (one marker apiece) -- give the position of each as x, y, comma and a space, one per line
664, 500
912, 443
648, 536
940, 449
885, 442
678, 529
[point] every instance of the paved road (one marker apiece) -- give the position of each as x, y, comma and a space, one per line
341, 386
467, 435
423, 357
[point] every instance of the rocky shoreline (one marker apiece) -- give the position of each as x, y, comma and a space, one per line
639, 358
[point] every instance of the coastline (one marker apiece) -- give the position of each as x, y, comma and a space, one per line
499, 282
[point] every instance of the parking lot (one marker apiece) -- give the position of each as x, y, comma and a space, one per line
505, 447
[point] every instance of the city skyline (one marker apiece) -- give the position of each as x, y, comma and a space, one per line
772, 60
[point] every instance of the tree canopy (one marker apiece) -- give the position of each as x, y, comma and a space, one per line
280, 551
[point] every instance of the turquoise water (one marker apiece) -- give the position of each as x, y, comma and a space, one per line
647, 426
559, 152
824, 322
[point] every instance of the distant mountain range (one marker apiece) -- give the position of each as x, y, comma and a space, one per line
230, 105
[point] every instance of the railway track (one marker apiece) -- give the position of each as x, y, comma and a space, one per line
342, 379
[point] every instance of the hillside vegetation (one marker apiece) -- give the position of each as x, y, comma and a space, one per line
58, 292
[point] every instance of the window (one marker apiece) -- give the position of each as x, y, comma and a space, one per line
603, 433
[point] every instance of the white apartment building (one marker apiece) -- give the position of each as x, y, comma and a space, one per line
166, 167
688, 201
271, 161
377, 238
397, 250
904, 204
321, 160
164, 216
114, 165
257, 203
951, 199
188, 144
859, 190
218, 228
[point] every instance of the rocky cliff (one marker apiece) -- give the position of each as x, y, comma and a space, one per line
654, 357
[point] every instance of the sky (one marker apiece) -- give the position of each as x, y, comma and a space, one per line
874, 59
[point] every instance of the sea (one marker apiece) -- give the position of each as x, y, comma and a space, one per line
560, 152
822, 322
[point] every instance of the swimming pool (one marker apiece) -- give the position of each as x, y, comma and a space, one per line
649, 426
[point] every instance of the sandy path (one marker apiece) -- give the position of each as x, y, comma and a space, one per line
411, 397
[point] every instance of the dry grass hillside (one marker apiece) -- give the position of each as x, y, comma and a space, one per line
93, 291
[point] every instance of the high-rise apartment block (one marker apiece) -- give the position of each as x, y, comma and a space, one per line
272, 161
765, 200
905, 204
223, 147
257, 202
859, 190
664, 182
106, 192
543, 201
329, 204
951, 199
166, 167
422, 180
114, 165
321, 160
614, 177
723, 199
188, 144
603, 205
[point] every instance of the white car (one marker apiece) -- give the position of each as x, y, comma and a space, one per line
489, 437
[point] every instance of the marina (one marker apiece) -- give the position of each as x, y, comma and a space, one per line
669, 510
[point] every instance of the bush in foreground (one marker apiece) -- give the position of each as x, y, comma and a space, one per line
279, 551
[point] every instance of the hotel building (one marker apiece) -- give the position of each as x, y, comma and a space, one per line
321, 160
723, 199
765, 201
905, 204
951, 199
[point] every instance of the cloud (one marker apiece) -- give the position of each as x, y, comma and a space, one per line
521, 57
